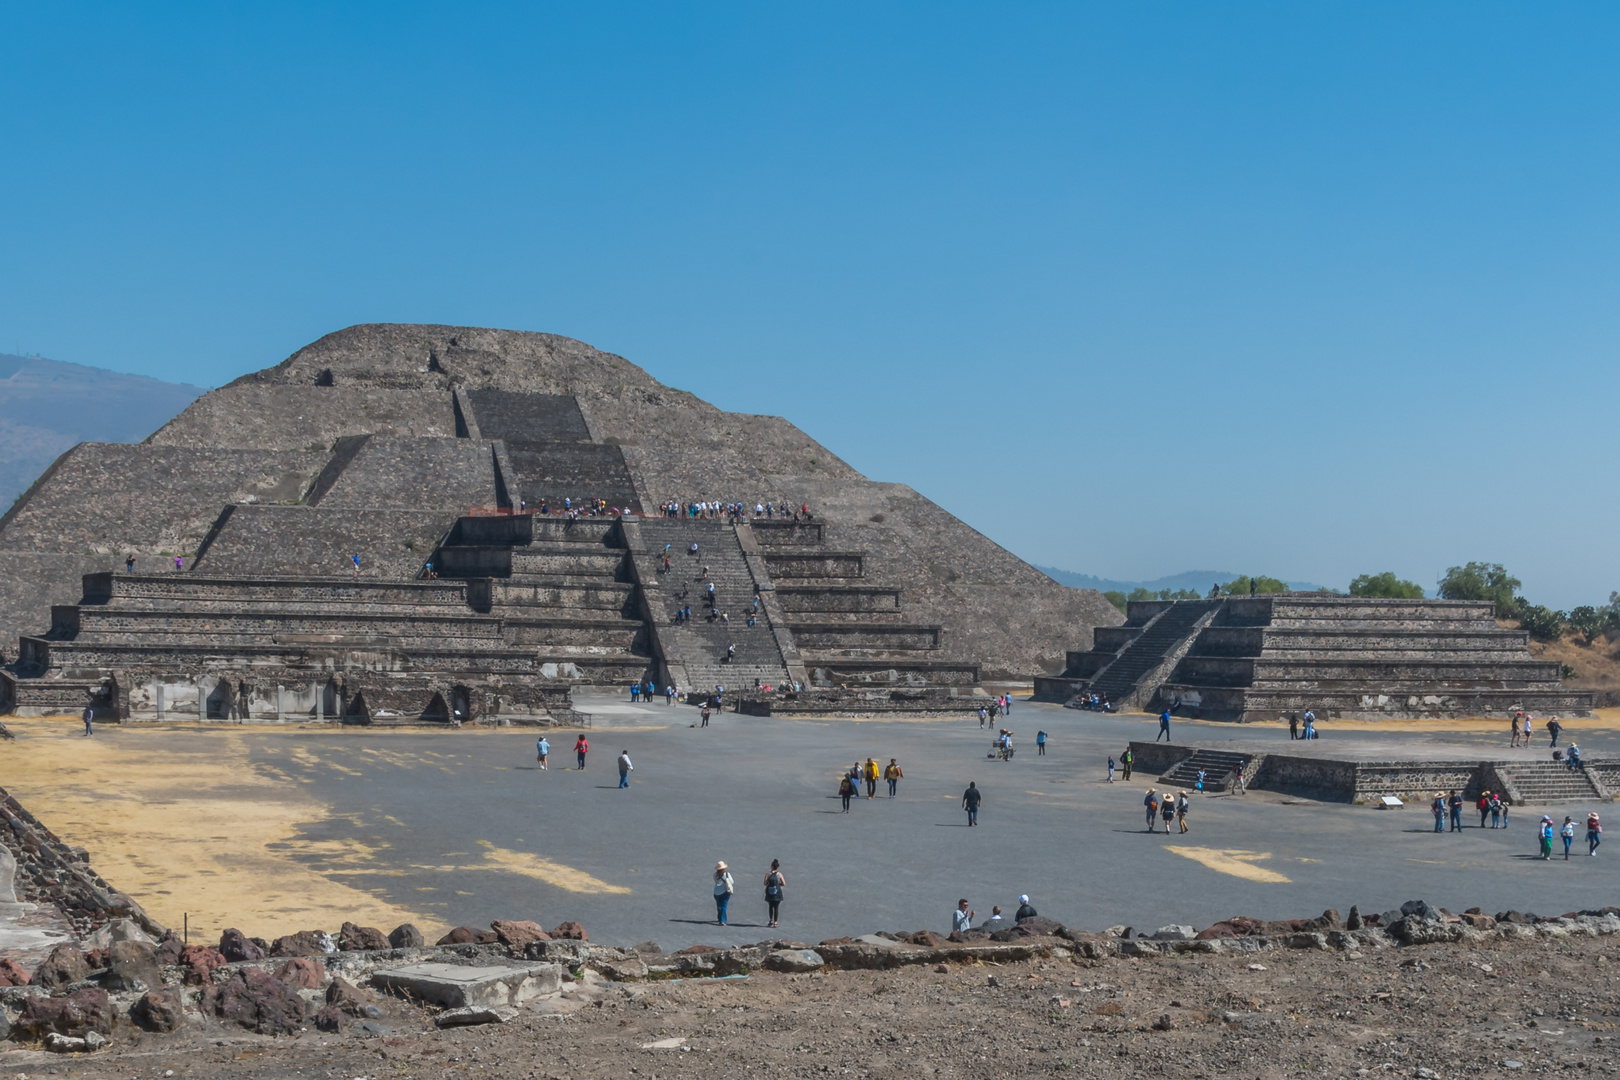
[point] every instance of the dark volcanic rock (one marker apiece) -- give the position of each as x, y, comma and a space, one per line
235, 947
169, 949
330, 1019
302, 971
256, 1001
199, 962
132, 965
406, 936
62, 966
517, 933
354, 938
75, 1014
466, 935
927, 937
303, 943
570, 931
12, 973
159, 1010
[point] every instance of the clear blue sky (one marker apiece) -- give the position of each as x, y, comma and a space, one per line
1302, 289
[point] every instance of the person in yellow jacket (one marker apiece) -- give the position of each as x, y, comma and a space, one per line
870, 772
893, 775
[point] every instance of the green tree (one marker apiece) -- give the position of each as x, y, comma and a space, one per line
1142, 592
1588, 620
1544, 623
1483, 581
1386, 584
1117, 598
1262, 584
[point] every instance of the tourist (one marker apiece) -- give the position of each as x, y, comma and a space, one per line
1493, 806
1181, 812
179, 563
1110, 768
774, 884
1200, 781
872, 773
1151, 802
1293, 727
847, 790
1527, 730
994, 923
1439, 809
723, 888
893, 775
129, 564
89, 720
971, 798
1566, 832
1504, 804
1553, 728
1025, 911
704, 714
1167, 810
1483, 805
1040, 743
1164, 726
543, 749
669, 693
624, 768
984, 717
1513, 730
1126, 760
1574, 756
581, 748
1456, 804
1594, 833
962, 918
1238, 777
1310, 724
356, 558
635, 691
1546, 836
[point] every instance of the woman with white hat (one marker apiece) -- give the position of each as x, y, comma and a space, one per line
1025, 910
723, 888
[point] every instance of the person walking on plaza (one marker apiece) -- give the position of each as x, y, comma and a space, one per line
1553, 728
1484, 807
581, 748
962, 918
847, 790
543, 749
774, 884
1167, 810
1513, 730
1164, 726
871, 772
1110, 769
1293, 727
1566, 831
1594, 833
1181, 812
624, 768
1497, 800
1126, 760
984, 717
1527, 730
971, 798
1545, 833
723, 888
1040, 743
1151, 802
89, 720
893, 775
1456, 803
1238, 771
1439, 809
1201, 774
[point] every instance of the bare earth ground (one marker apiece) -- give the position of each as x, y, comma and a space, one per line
1449, 1011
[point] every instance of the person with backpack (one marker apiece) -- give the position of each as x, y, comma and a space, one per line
1438, 809
723, 888
543, 749
1040, 743
1151, 802
893, 775
871, 772
581, 748
971, 798
847, 790
1484, 807
774, 884
1594, 833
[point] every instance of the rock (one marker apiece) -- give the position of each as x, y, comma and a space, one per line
347, 997
647, 947
1515, 918
1353, 920
1478, 921
68, 1044
992, 981
1173, 933
694, 950
1420, 909
927, 938
406, 936
370, 1030
466, 935
352, 938
132, 965
1039, 926
570, 931
793, 960
169, 949
235, 947
304, 972
159, 1010
256, 1001
303, 943
1329, 920
458, 986
12, 973
63, 965
517, 933
481, 1014
570, 954
75, 1014
624, 970
1165, 1022
331, 1019
199, 962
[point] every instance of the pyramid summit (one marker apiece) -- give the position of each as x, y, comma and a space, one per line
389, 523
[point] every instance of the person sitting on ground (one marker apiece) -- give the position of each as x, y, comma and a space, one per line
962, 918
994, 922
1025, 911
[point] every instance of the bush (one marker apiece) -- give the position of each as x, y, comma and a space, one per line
1588, 620
1483, 581
1117, 598
1386, 584
1262, 584
1544, 623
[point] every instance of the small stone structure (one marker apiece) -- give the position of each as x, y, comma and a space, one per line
1262, 657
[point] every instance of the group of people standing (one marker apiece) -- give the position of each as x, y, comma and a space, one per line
708, 509
849, 784
1172, 807
725, 887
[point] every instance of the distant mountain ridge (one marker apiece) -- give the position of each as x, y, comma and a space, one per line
1199, 580
47, 406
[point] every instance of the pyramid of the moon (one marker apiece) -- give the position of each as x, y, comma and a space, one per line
434, 520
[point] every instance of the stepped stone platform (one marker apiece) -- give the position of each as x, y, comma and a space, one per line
1364, 773
425, 451
1260, 658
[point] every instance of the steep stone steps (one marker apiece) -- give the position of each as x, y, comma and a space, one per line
1549, 781
1148, 649
1217, 765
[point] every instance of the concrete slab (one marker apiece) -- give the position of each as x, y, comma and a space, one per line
460, 986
